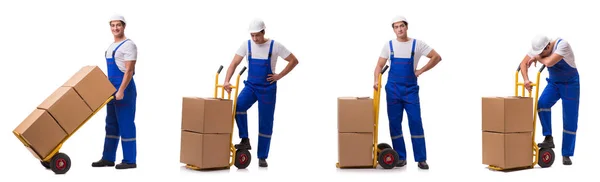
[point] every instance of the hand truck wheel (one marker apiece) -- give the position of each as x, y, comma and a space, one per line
45, 164
388, 158
60, 163
546, 157
382, 146
242, 158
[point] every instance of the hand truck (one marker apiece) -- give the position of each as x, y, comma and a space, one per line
239, 157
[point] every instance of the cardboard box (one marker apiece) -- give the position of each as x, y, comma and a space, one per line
92, 85
207, 115
205, 151
356, 115
507, 114
67, 108
507, 150
41, 132
355, 149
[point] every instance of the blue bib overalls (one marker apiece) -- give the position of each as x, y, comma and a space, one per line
563, 83
120, 116
257, 88
402, 93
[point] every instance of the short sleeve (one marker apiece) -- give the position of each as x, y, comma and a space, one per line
562, 48
282, 51
385, 51
423, 48
130, 51
243, 49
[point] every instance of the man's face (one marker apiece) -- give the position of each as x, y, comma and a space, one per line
546, 52
400, 29
258, 37
117, 27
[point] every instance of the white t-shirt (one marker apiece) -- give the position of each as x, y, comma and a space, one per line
563, 48
403, 50
127, 52
261, 51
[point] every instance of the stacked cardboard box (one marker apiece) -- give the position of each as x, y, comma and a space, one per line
507, 125
356, 121
205, 132
60, 114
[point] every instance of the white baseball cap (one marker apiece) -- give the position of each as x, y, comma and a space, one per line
256, 25
117, 17
398, 18
538, 43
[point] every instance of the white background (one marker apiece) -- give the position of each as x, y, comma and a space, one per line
182, 43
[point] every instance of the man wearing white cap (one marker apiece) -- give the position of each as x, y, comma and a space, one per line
120, 57
261, 85
402, 89
563, 84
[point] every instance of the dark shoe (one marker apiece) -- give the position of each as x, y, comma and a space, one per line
567, 160
547, 143
125, 166
262, 163
102, 163
244, 144
423, 165
401, 163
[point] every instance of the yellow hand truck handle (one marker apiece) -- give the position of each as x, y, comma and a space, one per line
376, 95
517, 83
537, 89
232, 149
217, 85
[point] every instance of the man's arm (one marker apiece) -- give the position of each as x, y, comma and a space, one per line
524, 67
292, 62
380, 63
237, 59
551, 60
129, 70
434, 59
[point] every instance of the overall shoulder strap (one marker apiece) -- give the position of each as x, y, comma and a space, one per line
249, 49
114, 51
412, 52
557, 42
391, 50
271, 49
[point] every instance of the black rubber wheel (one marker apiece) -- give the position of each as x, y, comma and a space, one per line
382, 146
242, 159
60, 163
546, 158
45, 164
387, 158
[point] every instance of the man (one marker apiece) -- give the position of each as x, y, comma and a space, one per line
402, 89
260, 86
563, 84
120, 57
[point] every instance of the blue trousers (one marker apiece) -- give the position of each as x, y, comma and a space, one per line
120, 124
266, 96
399, 99
569, 94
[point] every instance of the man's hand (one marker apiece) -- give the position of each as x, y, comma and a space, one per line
375, 85
533, 60
418, 72
528, 85
119, 95
273, 77
227, 87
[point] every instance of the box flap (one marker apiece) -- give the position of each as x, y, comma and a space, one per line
354, 97
79, 76
54, 97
